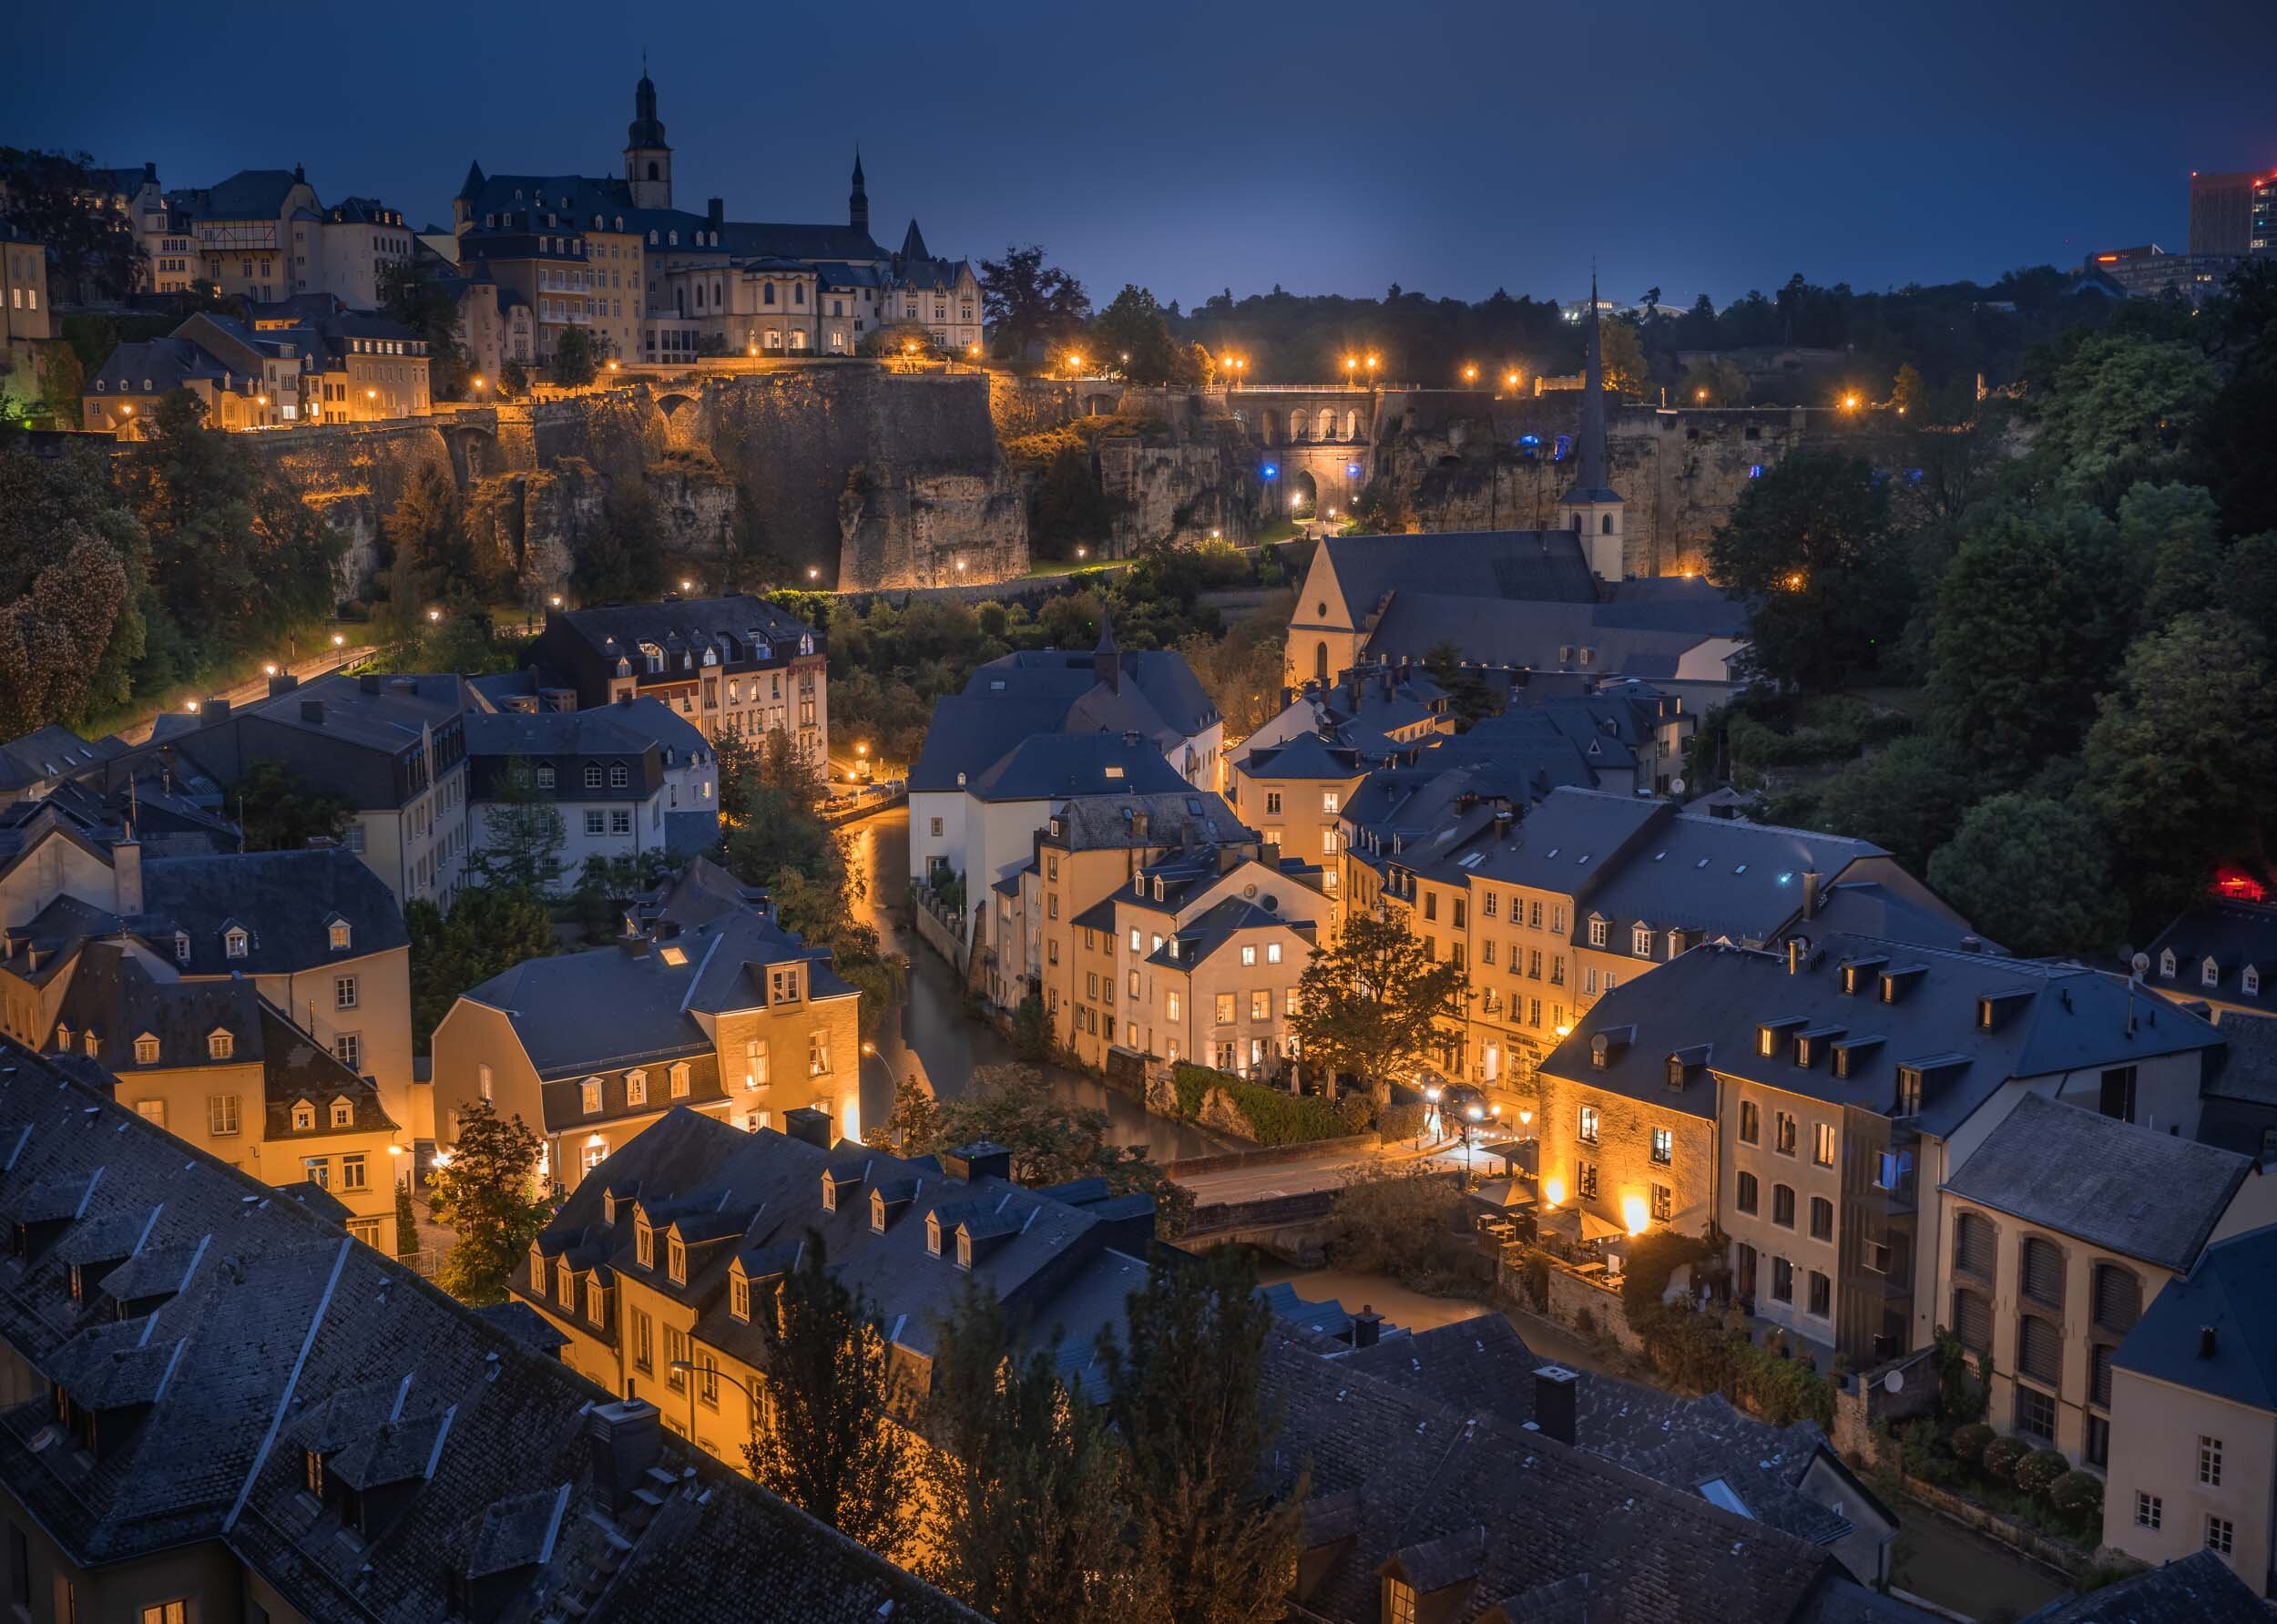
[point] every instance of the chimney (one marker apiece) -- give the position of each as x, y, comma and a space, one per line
982, 1158
282, 682
213, 709
368, 683
804, 1122
1810, 893
1557, 1395
127, 874
312, 711
1367, 1326
626, 1438
2205, 1342
625, 698
715, 209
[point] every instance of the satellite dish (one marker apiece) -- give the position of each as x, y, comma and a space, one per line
1895, 1382
2141, 963
1676, 786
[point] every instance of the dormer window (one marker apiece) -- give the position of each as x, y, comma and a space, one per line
181, 947
739, 1298
220, 1044
339, 931
303, 1116
343, 1113
830, 1193
2249, 981
676, 1260
877, 1213
933, 1233
1641, 941
680, 1079
636, 1087
2210, 974
1908, 1091
964, 1249
2166, 962
618, 776
312, 1472
589, 1093
234, 942
146, 1050
1158, 888
88, 1043
592, 775
566, 1284
545, 778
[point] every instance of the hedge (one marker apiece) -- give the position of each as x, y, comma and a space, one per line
1274, 1117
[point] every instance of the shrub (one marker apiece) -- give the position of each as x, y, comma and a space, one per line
2078, 1495
1654, 1258
1274, 1117
1397, 1122
2038, 1471
1357, 1112
1401, 1220
1968, 1442
2002, 1456
1192, 1082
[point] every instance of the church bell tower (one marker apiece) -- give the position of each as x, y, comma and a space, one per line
1591, 508
648, 161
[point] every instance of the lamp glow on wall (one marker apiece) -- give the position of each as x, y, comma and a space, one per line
1633, 1213
1553, 1192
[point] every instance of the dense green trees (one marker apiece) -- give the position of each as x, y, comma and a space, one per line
486, 1192
577, 358
1368, 1004
2034, 874
92, 252
1029, 305
277, 811
422, 304
622, 556
487, 932
1131, 336
1809, 546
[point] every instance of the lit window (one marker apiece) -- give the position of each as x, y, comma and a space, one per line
220, 1046
590, 1091
343, 1113
1587, 1131
146, 1050
339, 935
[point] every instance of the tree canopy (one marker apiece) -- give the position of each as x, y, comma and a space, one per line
486, 1192
1029, 305
1367, 1006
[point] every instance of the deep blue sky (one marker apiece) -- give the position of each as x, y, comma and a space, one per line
1449, 145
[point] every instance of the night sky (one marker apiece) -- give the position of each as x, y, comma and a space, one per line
1453, 147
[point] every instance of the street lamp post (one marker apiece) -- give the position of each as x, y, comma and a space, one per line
684, 1368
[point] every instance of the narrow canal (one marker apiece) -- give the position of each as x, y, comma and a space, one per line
931, 1024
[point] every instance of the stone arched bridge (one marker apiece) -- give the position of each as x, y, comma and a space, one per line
1319, 445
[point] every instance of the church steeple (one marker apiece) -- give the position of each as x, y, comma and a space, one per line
1590, 507
1107, 660
858, 204
648, 159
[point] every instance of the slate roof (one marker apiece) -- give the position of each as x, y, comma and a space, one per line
387, 715
2115, 1185
2233, 1290
154, 366
2234, 934
1306, 756
2249, 1069
789, 241
2074, 1020
249, 194
286, 901
694, 623
1555, 636
1049, 691
47, 753
1049, 766
2199, 1588
1184, 816
267, 1332
1545, 566
1218, 925
1515, 1519
1483, 1362
764, 1192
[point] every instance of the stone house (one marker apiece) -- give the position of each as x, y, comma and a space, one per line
2064, 1223
704, 1003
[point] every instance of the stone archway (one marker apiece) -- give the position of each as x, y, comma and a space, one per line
1304, 494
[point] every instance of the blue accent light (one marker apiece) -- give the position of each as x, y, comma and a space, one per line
1352, 470
1755, 471
1271, 471
1529, 439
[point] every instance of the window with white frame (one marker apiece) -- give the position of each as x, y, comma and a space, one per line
636, 1087
590, 1095
343, 992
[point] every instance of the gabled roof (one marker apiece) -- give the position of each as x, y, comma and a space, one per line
2232, 1292
1051, 766
285, 900
2113, 1184
1539, 566
48, 753
2199, 1588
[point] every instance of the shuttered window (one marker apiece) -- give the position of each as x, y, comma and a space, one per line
2118, 1298
2100, 1375
1972, 1245
2043, 1271
1972, 1321
2040, 1349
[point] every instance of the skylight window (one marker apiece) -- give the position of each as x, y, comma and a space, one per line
1717, 1492
1740, 869
675, 957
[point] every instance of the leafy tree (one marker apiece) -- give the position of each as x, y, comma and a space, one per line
2181, 759
2233, 436
2026, 626
575, 358
278, 811
406, 1221
2172, 534
1909, 392
1712, 383
2033, 874
1622, 354
434, 560
1242, 671
523, 835
901, 340
71, 606
1131, 335
514, 380
2121, 412
1184, 1394
486, 1194
1908, 798
1028, 1516
1808, 546
1367, 1006
422, 304
487, 932
623, 556
1028, 304
92, 250
834, 1449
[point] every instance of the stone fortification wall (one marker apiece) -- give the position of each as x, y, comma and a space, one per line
875, 479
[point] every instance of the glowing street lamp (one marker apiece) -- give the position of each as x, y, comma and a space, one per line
813, 573
1850, 402
1702, 397
1470, 374
339, 641
555, 600
1510, 380
687, 586
435, 615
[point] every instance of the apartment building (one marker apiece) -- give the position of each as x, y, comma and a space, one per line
655, 1267
2063, 1225
688, 768
27, 320
704, 1002
1296, 793
1852, 1076
220, 1408
735, 668
601, 772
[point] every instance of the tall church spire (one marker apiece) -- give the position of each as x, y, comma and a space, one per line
857, 203
1590, 507
648, 158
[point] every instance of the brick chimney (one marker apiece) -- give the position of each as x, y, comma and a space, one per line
804, 1122
1557, 1395
627, 1439
1367, 1327
982, 1158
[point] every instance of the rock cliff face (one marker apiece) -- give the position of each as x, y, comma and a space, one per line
873, 479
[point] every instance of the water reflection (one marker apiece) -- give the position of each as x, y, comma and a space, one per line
949, 1045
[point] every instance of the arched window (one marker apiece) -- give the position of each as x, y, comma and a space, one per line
1972, 1245
652, 170
1606, 525
2042, 1269
2118, 1298
1320, 662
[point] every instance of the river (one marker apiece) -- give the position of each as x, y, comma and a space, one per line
949, 1045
